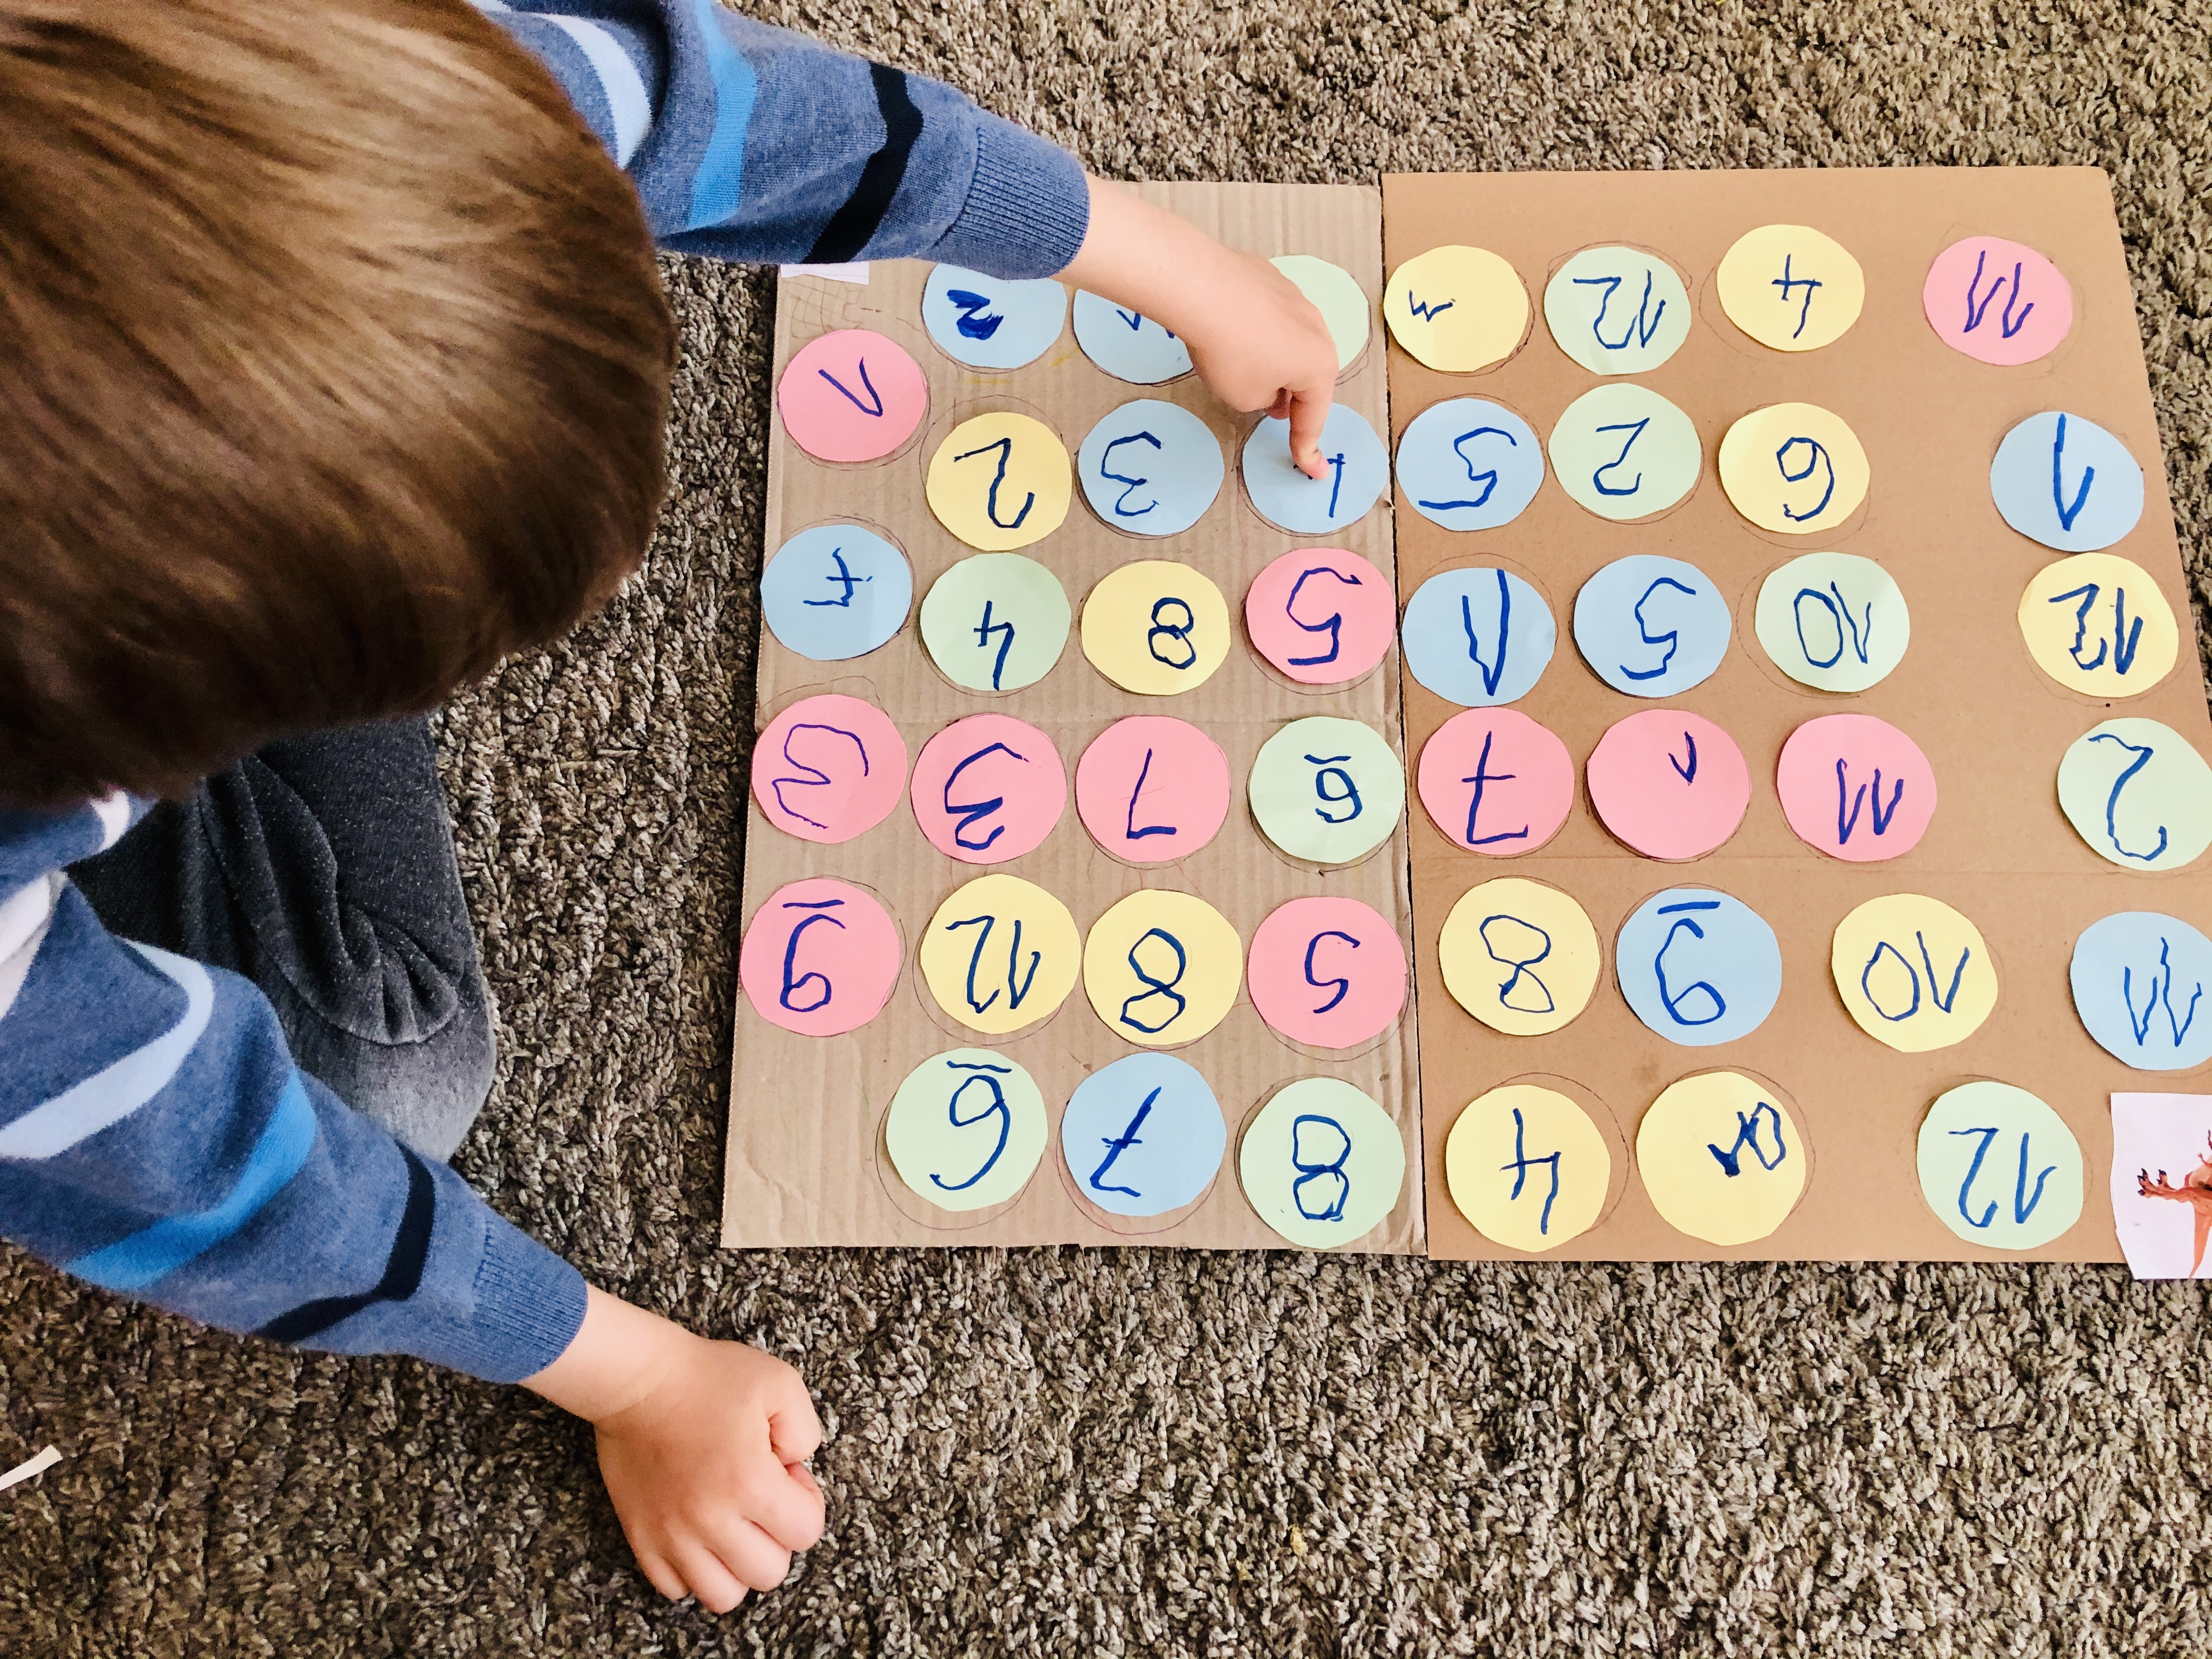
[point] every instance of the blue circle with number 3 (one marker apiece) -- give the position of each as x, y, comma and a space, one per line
835, 591
1149, 468
1698, 966
1143, 1136
1468, 464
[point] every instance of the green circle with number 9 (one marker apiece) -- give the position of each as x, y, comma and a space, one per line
1322, 1163
966, 1129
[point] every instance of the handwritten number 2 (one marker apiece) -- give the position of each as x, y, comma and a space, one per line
1004, 447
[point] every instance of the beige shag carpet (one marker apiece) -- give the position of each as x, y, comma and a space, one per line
1055, 1452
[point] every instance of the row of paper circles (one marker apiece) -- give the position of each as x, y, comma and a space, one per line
1613, 309
1002, 480
1720, 1153
1697, 966
1648, 626
1667, 783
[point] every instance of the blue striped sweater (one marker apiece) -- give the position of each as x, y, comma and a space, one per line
155, 1136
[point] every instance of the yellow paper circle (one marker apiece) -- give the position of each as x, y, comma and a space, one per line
1155, 628
1913, 972
999, 954
1528, 1168
966, 1129
1522, 958
1336, 295
1794, 468
1162, 968
999, 482
2097, 623
1458, 309
1790, 288
1722, 1158
1322, 1163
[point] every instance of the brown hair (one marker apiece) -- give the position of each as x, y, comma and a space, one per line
334, 366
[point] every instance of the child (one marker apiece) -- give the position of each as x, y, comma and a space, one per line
337, 369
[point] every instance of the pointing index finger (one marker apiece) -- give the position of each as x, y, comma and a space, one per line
1309, 410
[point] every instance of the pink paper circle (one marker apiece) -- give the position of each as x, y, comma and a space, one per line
1321, 615
1327, 971
1670, 784
1830, 771
851, 395
1151, 789
828, 768
987, 788
1495, 782
820, 957
1998, 301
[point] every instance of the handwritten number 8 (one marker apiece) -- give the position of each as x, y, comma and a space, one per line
1157, 986
1321, 1159
1179, 633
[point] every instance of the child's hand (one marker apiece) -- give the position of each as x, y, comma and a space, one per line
1257, 341
703, 1447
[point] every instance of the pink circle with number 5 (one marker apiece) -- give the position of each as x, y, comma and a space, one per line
1321, 615
1327, 971
1856, 787
2000, 302
1495, 782
1151, 789
851, 395
988, 788
828, 768
820, 957
1670, 784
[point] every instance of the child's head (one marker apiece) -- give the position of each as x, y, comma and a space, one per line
333, 366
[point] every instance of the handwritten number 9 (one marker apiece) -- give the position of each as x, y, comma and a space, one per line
821, 908
1674, 1001
1326, 769
997, 1106
1178, 633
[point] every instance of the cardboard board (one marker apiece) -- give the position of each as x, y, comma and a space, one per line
807, 1163
1992, 725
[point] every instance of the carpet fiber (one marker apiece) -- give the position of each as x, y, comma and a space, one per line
1060, 1452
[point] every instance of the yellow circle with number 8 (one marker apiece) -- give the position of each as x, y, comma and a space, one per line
1155, 628
1163, 967
999, 482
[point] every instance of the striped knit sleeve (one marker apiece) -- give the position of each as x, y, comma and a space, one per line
156, 1139
747, 141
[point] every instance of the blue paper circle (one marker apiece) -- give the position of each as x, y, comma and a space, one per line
1698, 966
1651, 626
2067, 483
1468, 464
835, 591
1150, 467
1143, 1136
1481, 636
1128, 344
1358, 473
2142, 985
988, 322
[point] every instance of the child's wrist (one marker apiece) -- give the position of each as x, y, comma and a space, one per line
620, 1356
